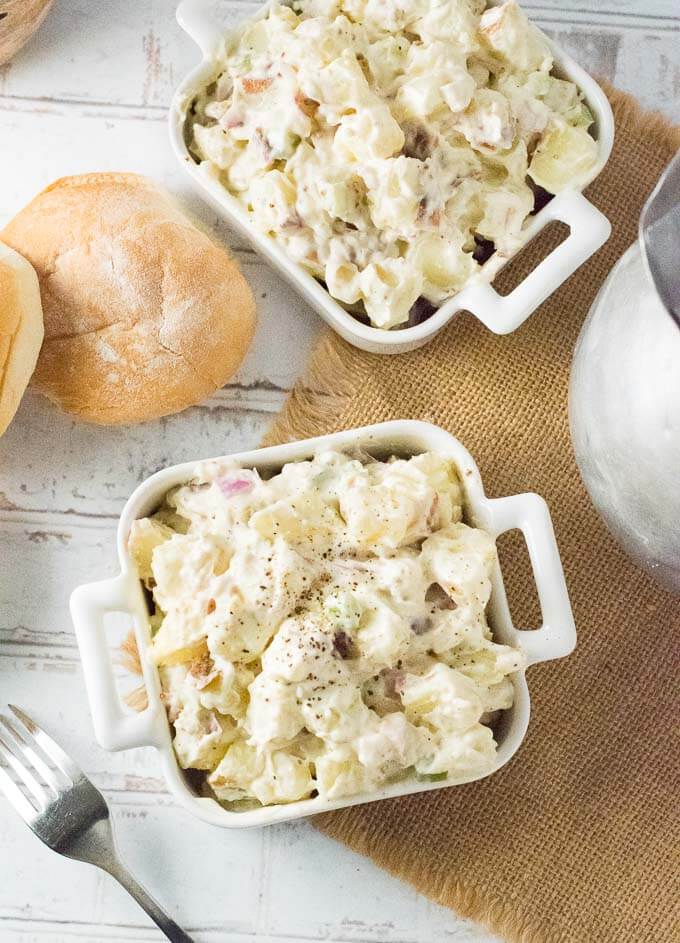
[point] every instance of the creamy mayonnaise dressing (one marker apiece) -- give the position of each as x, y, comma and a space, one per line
390, 145
323, 631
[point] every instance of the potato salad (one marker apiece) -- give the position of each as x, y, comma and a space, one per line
323, 631
391, 146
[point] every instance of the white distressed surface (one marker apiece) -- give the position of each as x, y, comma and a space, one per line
90, 93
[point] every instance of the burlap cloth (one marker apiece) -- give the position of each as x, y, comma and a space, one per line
576, 839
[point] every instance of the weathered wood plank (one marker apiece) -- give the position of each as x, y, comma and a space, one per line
142, 53
53, 139
50, 462
38, 931
219, 879
617, 10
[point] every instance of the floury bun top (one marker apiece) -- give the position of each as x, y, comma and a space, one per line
389, 147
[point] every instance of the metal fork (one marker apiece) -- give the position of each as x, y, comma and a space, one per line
64, 809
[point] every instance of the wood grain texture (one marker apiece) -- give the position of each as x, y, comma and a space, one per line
90, 93
140, 52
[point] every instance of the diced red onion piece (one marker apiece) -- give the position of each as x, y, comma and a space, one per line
230, 486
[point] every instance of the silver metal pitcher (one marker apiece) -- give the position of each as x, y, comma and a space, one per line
624, 398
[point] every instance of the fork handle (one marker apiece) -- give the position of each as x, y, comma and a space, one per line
168, 926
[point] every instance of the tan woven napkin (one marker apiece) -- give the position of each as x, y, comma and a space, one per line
575, 839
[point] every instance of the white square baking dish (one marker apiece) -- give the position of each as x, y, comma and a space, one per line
589, 229
116, 728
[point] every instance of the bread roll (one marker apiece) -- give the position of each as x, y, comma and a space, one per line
19, 19
144, 314
21, 330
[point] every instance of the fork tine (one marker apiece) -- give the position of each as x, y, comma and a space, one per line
28, 779
39, 765
70, 769
15, 797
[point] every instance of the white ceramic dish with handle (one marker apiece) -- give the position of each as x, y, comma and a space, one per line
589, 229
117, 728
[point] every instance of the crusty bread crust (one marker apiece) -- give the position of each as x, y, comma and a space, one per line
21, 330
21, 18
144, 314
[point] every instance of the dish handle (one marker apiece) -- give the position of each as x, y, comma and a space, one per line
557, 635
198, 19
588, 230
114, 727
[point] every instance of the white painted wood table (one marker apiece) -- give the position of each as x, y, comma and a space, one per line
91, 93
